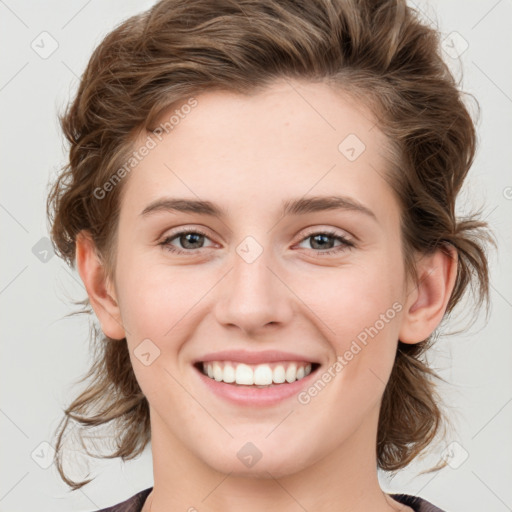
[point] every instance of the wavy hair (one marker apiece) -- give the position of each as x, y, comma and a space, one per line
380, 52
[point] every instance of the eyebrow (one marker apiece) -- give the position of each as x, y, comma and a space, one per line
299, 206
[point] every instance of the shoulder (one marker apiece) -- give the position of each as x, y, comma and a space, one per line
133, 504
416, 503
136, 502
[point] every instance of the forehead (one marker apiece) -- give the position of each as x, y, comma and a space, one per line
292, 139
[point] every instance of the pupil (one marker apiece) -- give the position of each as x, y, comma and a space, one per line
187, 236
322, 246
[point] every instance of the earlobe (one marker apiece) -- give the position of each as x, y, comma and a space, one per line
103, 301
426, 301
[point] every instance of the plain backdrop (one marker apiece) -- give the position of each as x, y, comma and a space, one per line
45, 47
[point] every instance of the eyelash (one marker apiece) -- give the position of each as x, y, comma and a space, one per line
346, 244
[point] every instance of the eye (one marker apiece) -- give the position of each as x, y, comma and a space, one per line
189, 239
320, 240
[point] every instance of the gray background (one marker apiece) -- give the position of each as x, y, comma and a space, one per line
43, 353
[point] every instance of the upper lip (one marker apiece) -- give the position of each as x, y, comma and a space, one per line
250, 357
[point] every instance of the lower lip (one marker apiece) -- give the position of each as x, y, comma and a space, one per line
252, 395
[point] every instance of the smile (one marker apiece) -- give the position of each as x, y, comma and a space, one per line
264, 375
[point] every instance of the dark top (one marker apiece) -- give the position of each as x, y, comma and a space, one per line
136, 502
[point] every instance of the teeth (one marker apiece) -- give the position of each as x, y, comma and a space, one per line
263, 375
258, 375
279, 375
244, 375
291, 373
229, 374
217, 372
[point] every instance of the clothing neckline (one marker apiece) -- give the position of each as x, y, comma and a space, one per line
137, 501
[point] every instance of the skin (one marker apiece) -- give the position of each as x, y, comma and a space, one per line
248, 154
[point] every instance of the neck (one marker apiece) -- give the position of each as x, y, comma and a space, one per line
343, 480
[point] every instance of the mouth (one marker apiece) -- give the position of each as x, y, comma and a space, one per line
263, 375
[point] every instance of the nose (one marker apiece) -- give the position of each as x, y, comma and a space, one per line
254, 296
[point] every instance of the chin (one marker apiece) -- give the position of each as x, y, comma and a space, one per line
239, 464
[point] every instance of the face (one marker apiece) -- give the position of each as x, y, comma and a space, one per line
313, 286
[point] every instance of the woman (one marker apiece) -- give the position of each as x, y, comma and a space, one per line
260, 201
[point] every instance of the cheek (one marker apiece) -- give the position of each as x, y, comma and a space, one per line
349, 299
359, 308
154, 296
165, 306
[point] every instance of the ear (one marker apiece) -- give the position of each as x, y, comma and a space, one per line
101, 292
426, 302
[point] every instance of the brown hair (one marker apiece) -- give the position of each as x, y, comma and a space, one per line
377, 50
